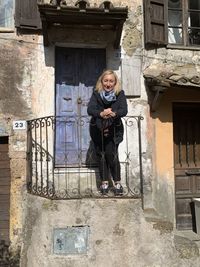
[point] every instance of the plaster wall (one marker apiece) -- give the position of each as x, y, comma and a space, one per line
164, 184
118, 235
27, 87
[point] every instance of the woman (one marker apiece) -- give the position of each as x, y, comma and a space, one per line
106, 106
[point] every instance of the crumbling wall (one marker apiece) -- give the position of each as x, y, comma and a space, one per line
16, 84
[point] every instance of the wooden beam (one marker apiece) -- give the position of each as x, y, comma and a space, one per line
159, 90
113, 18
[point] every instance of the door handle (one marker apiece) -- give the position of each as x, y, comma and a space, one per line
79, 100
67, 98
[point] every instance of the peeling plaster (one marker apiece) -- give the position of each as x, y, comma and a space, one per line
131, 40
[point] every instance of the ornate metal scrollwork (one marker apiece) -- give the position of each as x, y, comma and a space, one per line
52, 182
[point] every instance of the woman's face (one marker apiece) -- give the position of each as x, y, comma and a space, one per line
108, 82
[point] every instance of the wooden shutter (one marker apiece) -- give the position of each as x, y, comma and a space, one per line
27, 15
155, 15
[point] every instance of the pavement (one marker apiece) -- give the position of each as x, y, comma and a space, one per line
186, 242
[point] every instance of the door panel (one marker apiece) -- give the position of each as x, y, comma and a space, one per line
197, 184
183, 185
4, 190
186, 161
185, 213
77, 71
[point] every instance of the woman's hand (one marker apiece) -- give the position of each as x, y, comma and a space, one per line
112, 114
107, 113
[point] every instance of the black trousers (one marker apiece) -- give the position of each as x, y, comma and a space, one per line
107, 153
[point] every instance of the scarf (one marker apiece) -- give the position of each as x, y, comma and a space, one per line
108, 96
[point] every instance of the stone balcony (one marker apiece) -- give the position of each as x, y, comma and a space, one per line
75, 174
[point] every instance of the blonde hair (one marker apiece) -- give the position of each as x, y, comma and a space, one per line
99, 87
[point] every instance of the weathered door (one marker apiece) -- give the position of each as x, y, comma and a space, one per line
187, 161
4, 190
77, 71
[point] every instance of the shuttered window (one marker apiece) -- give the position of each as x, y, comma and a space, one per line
27, 15
155, 12
175, 22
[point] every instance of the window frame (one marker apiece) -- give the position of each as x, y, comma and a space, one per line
195, 11
185, 27
11, 27
149, 24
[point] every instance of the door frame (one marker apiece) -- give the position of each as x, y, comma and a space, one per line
185, 180
57, 48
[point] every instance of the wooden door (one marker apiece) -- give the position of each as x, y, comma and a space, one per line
4, 190
77, 71
186, 121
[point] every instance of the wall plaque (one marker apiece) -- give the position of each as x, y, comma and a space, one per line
71, 240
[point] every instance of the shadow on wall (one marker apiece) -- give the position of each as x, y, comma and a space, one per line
82, 40
163, 102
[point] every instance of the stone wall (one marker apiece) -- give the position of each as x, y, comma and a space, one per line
118, 235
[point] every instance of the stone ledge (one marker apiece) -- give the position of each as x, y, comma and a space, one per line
186, 248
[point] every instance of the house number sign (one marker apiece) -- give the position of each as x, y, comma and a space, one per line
19, 125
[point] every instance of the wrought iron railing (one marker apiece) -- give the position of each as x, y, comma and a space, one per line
61, 159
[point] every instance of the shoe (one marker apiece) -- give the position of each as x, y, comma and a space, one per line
118, 189
104, 188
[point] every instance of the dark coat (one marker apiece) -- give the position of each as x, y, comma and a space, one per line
97, 124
